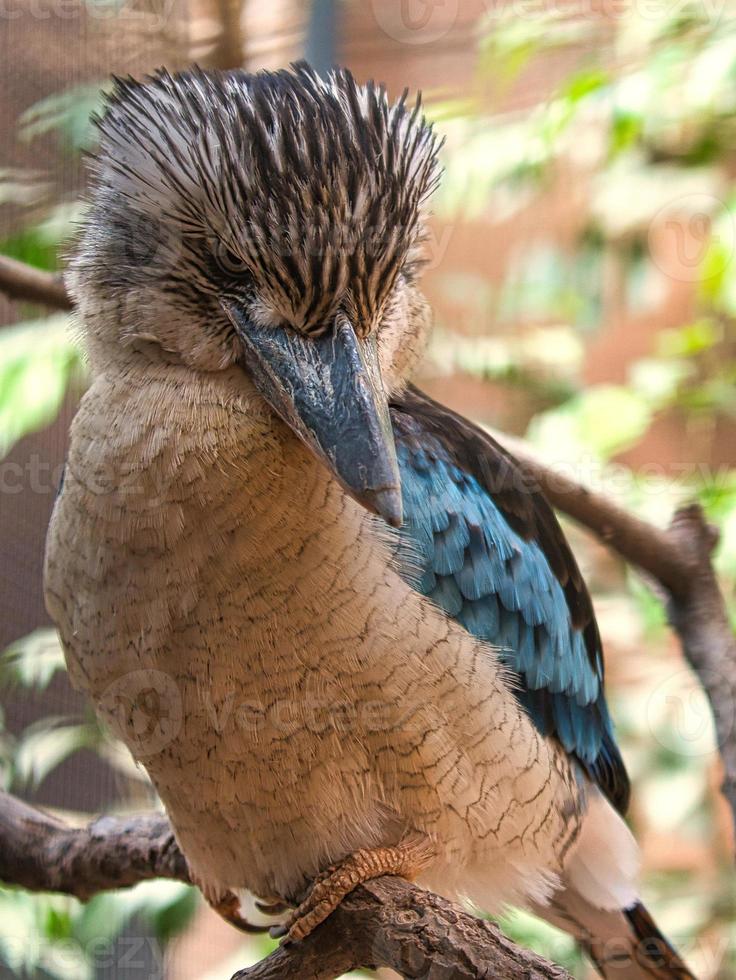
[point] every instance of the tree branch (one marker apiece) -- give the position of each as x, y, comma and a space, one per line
700, 619
652, 550
678, 563
40, 853
389, 922
24, 282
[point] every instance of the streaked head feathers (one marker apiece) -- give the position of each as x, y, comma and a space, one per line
306, 193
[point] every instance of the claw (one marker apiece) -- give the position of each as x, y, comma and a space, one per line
275, 908
229, 908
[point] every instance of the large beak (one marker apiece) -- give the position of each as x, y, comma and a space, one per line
328, 389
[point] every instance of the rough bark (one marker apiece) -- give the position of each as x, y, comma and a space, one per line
386, 922
40, 853
700, 619
392, 923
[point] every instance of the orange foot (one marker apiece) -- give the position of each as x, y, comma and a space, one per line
407, 859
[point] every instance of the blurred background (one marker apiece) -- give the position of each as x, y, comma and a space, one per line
582, 270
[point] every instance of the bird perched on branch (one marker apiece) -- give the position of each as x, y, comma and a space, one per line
335, 621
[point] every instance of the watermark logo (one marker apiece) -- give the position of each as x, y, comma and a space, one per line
679, 715
415, 21
154, 14
144, 709
682, 233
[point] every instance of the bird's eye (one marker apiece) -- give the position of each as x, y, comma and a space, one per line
230, 261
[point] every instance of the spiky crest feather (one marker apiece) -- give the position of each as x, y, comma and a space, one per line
309, 192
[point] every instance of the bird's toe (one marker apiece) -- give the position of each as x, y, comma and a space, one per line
407, 859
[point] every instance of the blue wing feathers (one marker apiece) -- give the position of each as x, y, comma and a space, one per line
465, 548
447, 595
481, 618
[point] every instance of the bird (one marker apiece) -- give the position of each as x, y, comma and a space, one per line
337, 623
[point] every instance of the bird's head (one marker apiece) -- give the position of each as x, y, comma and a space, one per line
273, 223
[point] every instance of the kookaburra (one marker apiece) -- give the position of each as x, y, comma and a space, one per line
335, 622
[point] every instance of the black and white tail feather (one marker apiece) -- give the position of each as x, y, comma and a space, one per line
598, 902
624, 944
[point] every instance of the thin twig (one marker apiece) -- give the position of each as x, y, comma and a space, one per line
21, 281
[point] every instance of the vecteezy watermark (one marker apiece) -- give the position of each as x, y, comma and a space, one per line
155, 14
418, 22
679, 716
144, 709
316, 715
682, 233
415, 21
139, 957
602, 9
148, 709
34, 475
150, 488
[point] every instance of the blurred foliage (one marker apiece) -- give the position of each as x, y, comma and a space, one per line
28, 667
38, 362
38, 359
641, 132
70, 114
640, 137
53, 937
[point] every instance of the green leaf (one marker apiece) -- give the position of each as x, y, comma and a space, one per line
19, 931
657, 380
37, 362
529, 931
35, 939
583, 84
612, 418
606, 419
45, 745
689, 340
30, 247
166, 906
33, 660
38, 245
58, 922
69, 112
626, 129
172, 917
